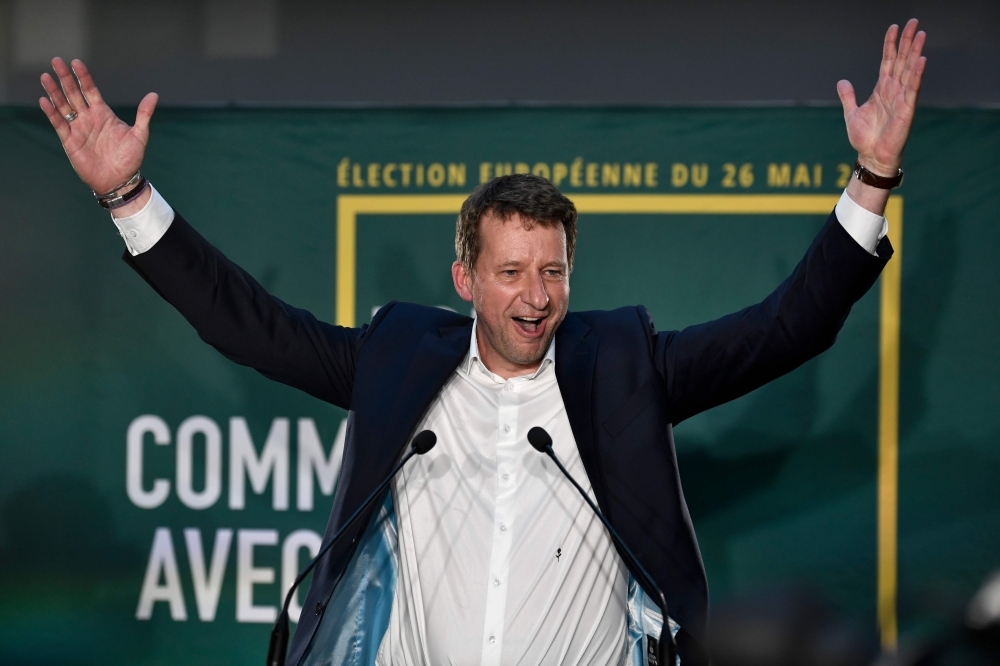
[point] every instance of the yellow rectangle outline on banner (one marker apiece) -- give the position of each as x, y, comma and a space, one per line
349, 206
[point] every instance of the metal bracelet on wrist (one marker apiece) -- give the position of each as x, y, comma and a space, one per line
113, 193
118, 201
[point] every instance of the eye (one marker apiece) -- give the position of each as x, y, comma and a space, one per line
510, 272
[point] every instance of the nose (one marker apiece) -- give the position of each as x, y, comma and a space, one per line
534, 293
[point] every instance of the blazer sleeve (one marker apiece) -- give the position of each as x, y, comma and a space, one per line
234, 314
712, 363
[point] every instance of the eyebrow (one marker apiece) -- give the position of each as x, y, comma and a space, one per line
515, 264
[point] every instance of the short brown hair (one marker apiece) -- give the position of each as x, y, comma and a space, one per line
533, 197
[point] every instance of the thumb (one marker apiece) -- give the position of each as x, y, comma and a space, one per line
846, 93
144, 114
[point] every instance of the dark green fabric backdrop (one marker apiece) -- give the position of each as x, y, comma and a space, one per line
781, 484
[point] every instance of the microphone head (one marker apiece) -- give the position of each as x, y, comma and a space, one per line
539, 439
424, 441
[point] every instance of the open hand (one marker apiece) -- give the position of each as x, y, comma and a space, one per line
878, 129
104, 151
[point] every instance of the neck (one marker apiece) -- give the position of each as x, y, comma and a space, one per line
499, 365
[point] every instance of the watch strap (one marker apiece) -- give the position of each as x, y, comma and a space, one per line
875, 180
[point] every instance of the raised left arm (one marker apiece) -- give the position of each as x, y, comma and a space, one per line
712, 363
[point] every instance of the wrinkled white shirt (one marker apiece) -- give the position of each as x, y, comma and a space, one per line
501, 560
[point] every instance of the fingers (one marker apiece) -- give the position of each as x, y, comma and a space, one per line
87, 85
912, 58
143, 115
56, 118
69, 84
55, 94
912, 90
888, 51
905, 43
846, 93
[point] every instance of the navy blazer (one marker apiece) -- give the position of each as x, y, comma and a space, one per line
624, 385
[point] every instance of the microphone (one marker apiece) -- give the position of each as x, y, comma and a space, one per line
278, 648
666, 650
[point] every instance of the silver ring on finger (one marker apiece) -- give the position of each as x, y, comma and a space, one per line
70, 117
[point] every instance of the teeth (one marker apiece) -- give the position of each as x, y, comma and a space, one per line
533, 320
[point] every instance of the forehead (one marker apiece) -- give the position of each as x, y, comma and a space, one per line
521, 235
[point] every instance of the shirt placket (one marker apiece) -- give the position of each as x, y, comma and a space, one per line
503, 514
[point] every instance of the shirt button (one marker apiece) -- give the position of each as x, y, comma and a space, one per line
510, 387
493, 639
496, 582
506, 427
132, 233
503, 528
506, 476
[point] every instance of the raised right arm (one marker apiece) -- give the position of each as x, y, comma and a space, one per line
226, 306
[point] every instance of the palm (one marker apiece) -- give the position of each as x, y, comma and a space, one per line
878, 129
103, 150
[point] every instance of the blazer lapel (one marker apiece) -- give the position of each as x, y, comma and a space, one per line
437, 356
386, 432
576, 359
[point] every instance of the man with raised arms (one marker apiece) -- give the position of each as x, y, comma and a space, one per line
492, 558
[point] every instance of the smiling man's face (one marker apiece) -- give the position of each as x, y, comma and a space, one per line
520, 289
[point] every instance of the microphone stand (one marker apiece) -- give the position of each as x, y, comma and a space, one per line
278, 647
542, 442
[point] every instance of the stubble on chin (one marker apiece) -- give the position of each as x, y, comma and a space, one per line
509, 350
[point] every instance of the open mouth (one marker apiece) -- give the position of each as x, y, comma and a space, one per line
530, 325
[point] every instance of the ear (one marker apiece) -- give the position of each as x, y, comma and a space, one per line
463, 281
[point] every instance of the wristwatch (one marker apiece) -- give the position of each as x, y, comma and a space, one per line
881, 182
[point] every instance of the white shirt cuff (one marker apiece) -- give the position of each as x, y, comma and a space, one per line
864, 226
142, 230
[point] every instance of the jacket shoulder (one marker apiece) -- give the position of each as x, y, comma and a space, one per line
407, 319
621, 323
416, 314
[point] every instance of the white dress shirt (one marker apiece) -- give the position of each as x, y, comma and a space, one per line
500, 559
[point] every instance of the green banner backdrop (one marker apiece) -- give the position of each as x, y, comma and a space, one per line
155, 499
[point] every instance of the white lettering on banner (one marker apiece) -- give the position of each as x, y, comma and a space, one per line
295, 542
137, 430
162, 560
312, 461
247, 575
208, 584
273, 462
185, 464
198, 443
207, 587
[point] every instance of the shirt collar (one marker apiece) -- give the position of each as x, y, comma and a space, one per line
473, 356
